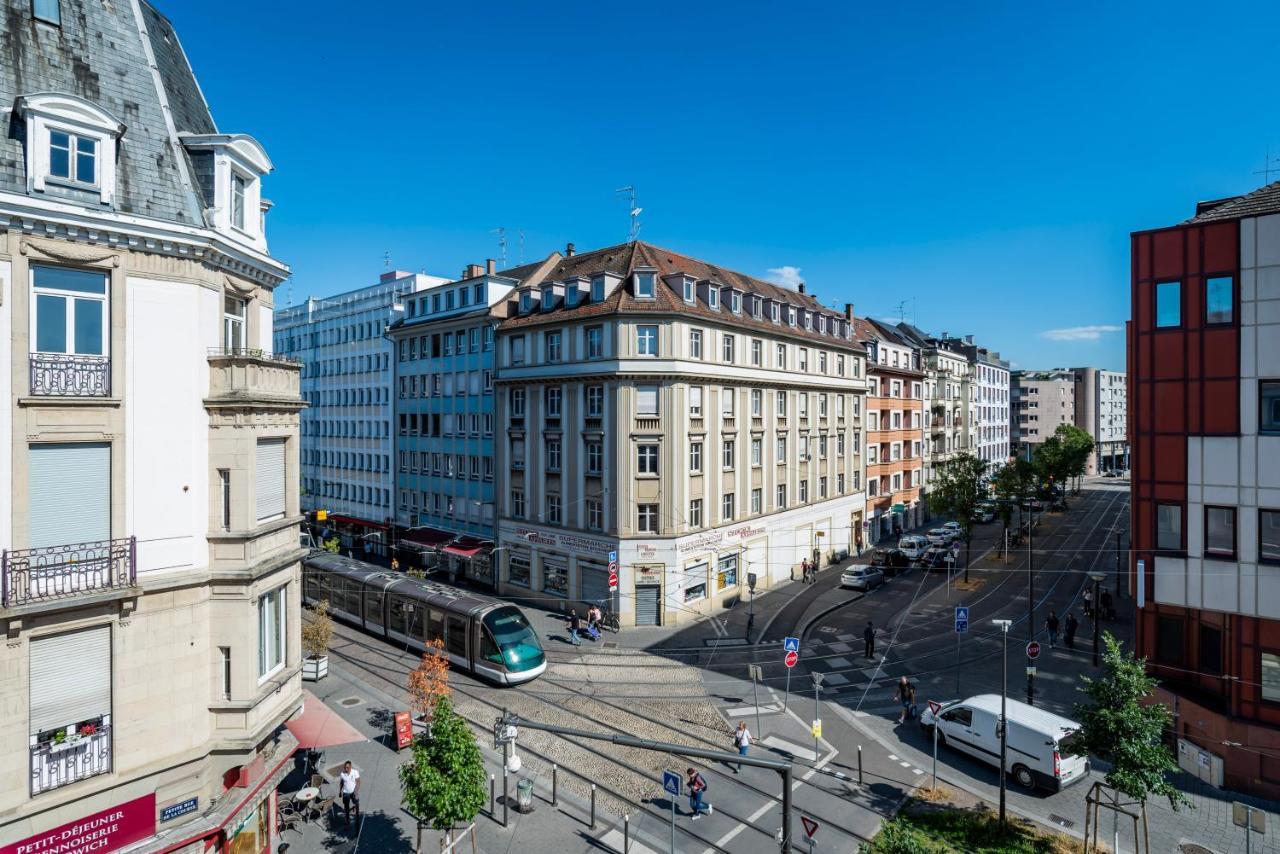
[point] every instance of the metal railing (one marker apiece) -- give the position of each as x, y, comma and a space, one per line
60, 572
66, 762
251, 353
66, 375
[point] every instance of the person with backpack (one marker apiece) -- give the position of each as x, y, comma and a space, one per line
904, 692
697, 786
1071, 626
1051, 625
742, 741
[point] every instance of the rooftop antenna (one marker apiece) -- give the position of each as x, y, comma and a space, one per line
902, 311
1269, 165
635, 211
502, 245
386, 260
522, 247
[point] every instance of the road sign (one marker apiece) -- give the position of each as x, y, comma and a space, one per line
613, 581
791, 644
1033, 650
810, 826
755, 673
613, 566
1244, 815
934, 706
962, 620
613, 557
791, 659
671, 783
816, 729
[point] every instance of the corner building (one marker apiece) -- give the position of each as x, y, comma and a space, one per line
149, 553
701, 424
1204, 382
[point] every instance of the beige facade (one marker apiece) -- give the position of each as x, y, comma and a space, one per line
1042, 401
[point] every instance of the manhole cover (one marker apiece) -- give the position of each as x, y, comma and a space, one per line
1060, 821
610, 644
350, 701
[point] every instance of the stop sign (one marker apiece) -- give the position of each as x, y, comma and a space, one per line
791, 659
1033, 650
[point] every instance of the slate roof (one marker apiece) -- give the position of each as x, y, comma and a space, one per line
1264, 200
625, 258
98, 54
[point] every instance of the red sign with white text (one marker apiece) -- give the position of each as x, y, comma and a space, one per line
105, 831
404, 730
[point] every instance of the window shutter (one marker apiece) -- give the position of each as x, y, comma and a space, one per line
270, 489
69, 494
70, 678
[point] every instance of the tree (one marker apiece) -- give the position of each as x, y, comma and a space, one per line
333, 545
956, 491
1011, 483
1119, 728
429, 682
443, 784
317, 632
1077, 446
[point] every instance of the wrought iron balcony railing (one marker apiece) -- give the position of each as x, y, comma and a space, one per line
61, 572
71, 760
63, 375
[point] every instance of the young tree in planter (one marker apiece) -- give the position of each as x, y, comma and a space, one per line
956, 491
1011, 482
429, 683
1118, 727
317, 633
332, 545
443, 784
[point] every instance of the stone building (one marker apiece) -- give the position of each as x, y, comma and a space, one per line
150, 560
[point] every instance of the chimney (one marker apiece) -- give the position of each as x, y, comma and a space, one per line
800, 287
472, 271
946, 335
491, 266
569, 250
968, 339
848, 311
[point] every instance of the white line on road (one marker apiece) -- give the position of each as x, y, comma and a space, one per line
786, 746
613, 839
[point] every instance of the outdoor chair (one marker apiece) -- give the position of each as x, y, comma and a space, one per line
321, 807
289, 819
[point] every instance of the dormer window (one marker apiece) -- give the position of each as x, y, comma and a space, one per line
548, 299
71, 145
690, 292
735, 302
773, 312
597, 288
73, 158
822, 324
713, 297
526, 302
755, 307
228, 170
808, 320
791, 316
238, 185
645, 285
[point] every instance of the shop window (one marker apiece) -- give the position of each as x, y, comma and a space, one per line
695, 582
727, 572
518, 571
555, 579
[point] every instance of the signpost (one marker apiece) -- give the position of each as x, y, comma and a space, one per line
817, 718
613, 572
962, 627
791, 659
755, 674
1252, 819
671, 785
810, 829
792, 648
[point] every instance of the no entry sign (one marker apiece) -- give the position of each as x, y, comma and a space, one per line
1033, 650
791, 659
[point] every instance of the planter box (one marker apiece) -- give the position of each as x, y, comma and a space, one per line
315, 669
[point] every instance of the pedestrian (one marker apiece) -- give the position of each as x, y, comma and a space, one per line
742, 741
1052, 625
349, 786
869, 639
904, 693
697, 786
575, 625
1088, 602
804, 570
1071, 625
1108, 606
594, 620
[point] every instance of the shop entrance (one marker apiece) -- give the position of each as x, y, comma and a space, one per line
648, 605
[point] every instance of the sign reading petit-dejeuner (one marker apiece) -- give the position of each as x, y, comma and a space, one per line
100, 833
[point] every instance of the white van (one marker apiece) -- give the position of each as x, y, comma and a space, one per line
913, 545
1037, 755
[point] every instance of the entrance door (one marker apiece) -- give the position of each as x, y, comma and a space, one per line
648, 605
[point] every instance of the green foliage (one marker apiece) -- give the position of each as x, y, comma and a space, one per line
948, 830
1063, 455
444, 784
332, 545
1118, 728
957, 489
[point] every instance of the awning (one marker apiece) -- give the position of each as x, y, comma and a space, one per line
462, 551
319, 726
433, 537
355, 520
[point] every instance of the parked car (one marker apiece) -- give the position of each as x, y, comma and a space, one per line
913, 545
861, 577
940, 536
1039, 751
890, 561
935, 557
1111, 473
984, 514
954, 526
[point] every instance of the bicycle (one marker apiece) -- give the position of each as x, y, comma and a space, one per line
608, 618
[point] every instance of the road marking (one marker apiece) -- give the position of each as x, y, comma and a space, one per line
838, 662
751, 819
835, 679
839, 647
905, 764
916, 771
893, 756
787, 747
751, 710
846, 637
613, 839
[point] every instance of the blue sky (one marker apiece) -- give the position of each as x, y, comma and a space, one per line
981, 163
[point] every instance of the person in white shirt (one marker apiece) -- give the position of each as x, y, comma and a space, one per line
742, 741
349, 787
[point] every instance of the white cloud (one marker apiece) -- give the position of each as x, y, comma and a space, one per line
787, 277
1080, 333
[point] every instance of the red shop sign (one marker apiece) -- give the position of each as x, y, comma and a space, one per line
108, 830
404, 730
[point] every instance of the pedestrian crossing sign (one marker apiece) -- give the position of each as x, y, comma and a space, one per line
671, 783
962, 620
791, 644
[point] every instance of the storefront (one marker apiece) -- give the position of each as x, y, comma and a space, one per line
358, 537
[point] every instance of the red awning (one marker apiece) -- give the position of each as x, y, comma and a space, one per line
427, 536
355, 520
463, 551
319, 726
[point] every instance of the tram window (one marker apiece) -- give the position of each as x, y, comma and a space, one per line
373, 606
456, 641
396, 621
489, 648
343, 596
435, 626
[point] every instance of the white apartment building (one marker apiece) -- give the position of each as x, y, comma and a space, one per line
1042, 401
990, 405
1102, 411
149, 557
692, 426
949, 397
348, 442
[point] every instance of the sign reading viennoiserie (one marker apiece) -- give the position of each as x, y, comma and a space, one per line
105, 831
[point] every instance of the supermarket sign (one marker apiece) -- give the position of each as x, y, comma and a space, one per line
105, 831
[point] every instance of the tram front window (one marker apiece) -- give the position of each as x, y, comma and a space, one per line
517, 644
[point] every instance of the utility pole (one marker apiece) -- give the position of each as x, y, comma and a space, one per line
1031, 605
1097, 578
1004, 728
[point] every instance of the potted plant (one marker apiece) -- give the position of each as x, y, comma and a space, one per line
317, 632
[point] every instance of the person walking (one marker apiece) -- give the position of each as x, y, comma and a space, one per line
804, 571
575, 625
1088, 602
742, 741
594, 618
904, 693
349, 787
1108, 606
1052, 625
869, 639
697, 786
1071, 625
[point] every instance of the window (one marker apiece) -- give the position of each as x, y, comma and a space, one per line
1169, 640
804, 358
1210, 659
839, 444
518, 571
757, 403
1269, 406
70, 311
554, 348
757, 450
1169, 527
517, 350
695, 343
804, 491
822, 487
726, 508
73, 158
270, 483
595, 401
1220, 532
757, 352
517, 402
646, 400
644, 285
595, 514
595, 342
689, 293
238, 185
727, 349
553, 397
548, 299
781, 450
1270, 676
646, 340
780, 356
695, 401
595, 457
782, 404
756, 500
224, 655
727, 571
597, 289
646, 459
271, 632
727, 453
695, 457
735, 302
1168, 304
713, 297
780, 495
553, 508
1219, 300
647, 518
224, 498
1269, 536
47, 11
695, 513
517, 503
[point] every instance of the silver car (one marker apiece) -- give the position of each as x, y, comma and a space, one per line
861, 577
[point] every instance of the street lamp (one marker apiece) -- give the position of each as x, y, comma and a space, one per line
1004, 690
1097, 578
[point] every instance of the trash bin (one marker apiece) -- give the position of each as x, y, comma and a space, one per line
524, 795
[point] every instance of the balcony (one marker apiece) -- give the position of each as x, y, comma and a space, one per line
53, 573
65, 375
75, 757
243, 377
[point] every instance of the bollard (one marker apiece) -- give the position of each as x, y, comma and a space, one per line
593, 806
859, 764
505, 798
555, 783
493, 785
626, 834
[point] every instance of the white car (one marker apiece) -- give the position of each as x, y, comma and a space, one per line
954, 526
940, 536
1038, 753
913, 545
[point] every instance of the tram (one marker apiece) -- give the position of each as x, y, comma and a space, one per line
488, 637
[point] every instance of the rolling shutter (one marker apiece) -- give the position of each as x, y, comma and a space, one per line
70, 678
69, 494
647, 602
595, 584
270, 482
